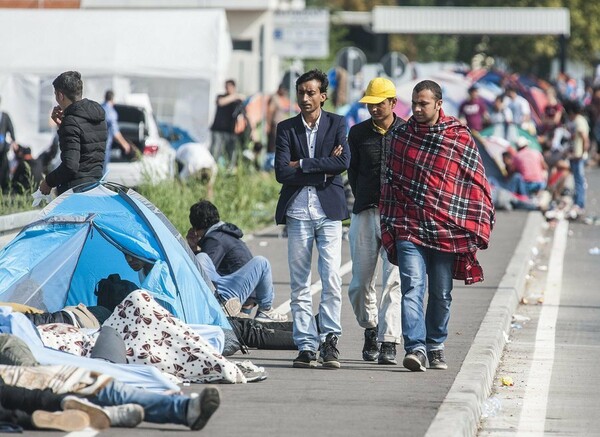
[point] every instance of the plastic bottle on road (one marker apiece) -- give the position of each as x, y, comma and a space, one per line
491, 407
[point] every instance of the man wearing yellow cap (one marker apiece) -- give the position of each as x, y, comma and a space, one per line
369, 142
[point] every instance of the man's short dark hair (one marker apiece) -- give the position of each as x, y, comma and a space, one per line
109, 95
431, 86
230, 82
203, 215
70, 84
314, 74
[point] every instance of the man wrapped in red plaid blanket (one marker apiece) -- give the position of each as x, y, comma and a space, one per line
436, 212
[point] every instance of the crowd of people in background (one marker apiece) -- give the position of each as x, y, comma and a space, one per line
543, 165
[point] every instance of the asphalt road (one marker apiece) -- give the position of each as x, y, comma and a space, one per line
554, 344
360, 398
364, 399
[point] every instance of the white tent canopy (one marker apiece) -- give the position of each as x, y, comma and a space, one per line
179, 57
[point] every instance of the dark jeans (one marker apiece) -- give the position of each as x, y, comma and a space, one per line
18, 403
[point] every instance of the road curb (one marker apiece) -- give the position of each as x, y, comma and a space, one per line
460, 412
12, 222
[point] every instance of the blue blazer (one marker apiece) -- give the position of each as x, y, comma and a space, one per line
291, 145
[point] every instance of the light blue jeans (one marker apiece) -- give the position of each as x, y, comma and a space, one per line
327, 235
421, 267
578, 170
254, 276
365, 250
158, 408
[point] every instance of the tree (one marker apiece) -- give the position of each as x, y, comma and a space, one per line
526, 54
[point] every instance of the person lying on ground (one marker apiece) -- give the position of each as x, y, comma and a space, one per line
28, 386
152, 335
253, 334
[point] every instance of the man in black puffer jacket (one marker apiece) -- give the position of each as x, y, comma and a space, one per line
82, 136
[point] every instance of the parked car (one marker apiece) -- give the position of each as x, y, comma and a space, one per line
155, 158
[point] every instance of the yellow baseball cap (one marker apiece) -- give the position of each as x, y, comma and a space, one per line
378, 90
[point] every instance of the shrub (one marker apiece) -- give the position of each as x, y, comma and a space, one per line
245, 197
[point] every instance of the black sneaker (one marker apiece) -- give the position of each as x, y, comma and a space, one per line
415, 361
370, 351
320, 354
437, 359
387, 354
330, 353
306, 360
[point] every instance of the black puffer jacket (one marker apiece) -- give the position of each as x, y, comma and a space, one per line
223, 244
82, 139
368, 150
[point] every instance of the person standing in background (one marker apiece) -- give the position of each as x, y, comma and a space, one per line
369, 143
6, 127
473, 111
278, 109
577, 153
312, 152
82, 136
224, 141
114, 134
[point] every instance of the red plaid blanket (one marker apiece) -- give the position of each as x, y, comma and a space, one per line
435, 194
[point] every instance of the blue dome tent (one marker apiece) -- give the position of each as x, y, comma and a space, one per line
82, 237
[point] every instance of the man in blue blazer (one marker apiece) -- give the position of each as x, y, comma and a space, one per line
311, 153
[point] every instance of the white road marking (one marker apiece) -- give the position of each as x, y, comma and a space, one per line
284, 308
88, 432
533, 414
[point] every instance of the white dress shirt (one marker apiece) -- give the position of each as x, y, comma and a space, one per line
306, 205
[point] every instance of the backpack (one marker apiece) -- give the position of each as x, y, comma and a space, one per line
113, 290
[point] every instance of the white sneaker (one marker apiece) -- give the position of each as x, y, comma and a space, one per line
126, 415
70, 420
251, 372
98, 416
270, 315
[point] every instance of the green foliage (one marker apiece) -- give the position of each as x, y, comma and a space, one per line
12, 203
245, 197
526, 54
18, 198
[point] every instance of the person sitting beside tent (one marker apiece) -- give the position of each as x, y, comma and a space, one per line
253, 277
557, 198
532, 166
220, 240
105, 401
513, 181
